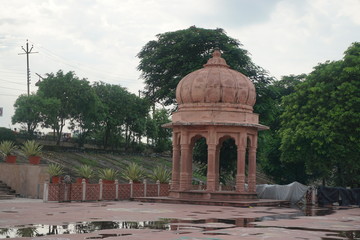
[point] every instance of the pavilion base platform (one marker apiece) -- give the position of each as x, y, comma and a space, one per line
215, 195
229, 203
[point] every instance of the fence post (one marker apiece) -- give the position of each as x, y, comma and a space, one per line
116, 189
101, 189
46, 191
221, 186
145, 187
83, 183
131, 188
158, 187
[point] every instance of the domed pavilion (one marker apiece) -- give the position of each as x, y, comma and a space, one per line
216, 103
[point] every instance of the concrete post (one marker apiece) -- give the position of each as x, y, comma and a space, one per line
101, 190
145, 187
83, 184
131, 188
116, 189
46, 192
158, 188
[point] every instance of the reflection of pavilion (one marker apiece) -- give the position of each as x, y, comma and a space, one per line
216, 103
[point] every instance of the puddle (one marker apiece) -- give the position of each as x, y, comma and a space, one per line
181, 226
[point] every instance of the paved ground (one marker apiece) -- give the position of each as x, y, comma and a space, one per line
135, 221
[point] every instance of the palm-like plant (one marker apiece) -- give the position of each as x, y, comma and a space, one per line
55, 170
133, 172
31, 148
7, 147
108, 174
85, 171
161, 174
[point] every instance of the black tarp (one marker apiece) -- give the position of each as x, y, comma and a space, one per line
345, 197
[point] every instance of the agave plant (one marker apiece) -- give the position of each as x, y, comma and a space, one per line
7, 147
161, 174
133, 172
55, 170
108, 174
85, 171
31, 148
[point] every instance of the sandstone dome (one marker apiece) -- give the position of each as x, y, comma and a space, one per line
216, 85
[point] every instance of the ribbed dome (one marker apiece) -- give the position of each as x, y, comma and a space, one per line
216, 84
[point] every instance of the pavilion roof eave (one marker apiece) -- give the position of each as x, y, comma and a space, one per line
260, 127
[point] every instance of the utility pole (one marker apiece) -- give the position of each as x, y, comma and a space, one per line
27, 52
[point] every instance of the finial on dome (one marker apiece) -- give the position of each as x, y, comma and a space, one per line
216, 60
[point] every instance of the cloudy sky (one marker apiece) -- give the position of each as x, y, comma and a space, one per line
99, 39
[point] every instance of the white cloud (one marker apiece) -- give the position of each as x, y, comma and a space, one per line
99, 39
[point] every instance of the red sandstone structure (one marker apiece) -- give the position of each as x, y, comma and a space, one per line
216, 103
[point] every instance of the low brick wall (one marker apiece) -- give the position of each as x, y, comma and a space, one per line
97, 192
27, 180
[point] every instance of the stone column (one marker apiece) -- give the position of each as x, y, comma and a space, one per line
252, 170
175, 167
186, 161
211, 168
240, 174
217, 167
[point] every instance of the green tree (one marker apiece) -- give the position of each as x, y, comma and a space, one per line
163, 136
165, 61
87, 111
269, 154
27, 112
114, 100
74, 97
321, 122
30, 110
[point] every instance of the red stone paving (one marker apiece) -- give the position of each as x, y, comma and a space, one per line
187, 222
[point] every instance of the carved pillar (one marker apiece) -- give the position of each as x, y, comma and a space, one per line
252, 170
186, 161
240, 174
217, 167
211, 168
175, 179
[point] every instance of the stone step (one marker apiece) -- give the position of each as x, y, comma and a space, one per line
3, 197
6, 192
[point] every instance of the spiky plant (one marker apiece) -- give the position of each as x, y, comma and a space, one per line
55, 169
161, 174
108, 174
7, 147
85, 171
31, 148
133, 172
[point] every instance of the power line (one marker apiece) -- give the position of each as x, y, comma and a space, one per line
27, 52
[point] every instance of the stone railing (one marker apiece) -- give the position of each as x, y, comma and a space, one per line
64, 192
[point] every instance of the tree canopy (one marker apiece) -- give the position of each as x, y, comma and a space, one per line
320, 126
165, 61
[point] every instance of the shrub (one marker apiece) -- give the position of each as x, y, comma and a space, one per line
31, 148
55, 170
7, 134
133, 172
161, 174
7, 147
85, 171
108, 174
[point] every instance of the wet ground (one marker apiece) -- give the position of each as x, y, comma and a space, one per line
33, 219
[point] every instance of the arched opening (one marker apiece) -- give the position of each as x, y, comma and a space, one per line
200, 157
227, 162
